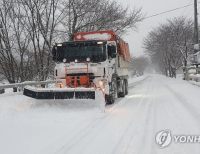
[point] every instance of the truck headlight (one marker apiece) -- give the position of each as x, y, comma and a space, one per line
100, 42
103, 81
100, 82
64, 60
88, 59
59, 45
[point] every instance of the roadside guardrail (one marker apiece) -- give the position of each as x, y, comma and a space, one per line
23, 84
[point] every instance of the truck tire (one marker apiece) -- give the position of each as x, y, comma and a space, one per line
110, 99
122, 93
126, 87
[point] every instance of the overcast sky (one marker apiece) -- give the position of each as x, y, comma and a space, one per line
151, 7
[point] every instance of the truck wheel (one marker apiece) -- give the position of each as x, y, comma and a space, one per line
110, 99
122, 93
126, 87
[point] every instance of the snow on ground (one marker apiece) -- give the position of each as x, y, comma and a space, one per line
195, 83
154, 103
137, 79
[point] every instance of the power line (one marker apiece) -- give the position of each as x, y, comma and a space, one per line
168, 11
186, 7
189, 12
163, 20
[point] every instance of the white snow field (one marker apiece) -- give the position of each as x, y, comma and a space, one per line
129, 126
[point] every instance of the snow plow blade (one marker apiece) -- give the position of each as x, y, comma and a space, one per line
62, 93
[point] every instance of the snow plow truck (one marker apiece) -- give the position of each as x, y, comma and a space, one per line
93, 61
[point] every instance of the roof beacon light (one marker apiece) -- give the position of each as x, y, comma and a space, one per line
76, 60
59, 45
99, 42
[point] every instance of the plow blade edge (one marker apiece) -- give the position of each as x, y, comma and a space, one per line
60, 94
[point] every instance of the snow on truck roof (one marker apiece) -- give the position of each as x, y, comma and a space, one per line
84, 42
99, 35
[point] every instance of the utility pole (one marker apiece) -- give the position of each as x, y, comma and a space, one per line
196, 39
69, 20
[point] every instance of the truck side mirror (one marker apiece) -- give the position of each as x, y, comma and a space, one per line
112, 51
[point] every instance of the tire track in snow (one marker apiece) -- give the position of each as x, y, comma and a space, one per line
144, 125
125, 137
83, 133
149, 122
119, 100
168, 106
132, 85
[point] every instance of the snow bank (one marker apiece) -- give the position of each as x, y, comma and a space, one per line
137, 79
187, 93
17, 102
195, 83
32, 129
192, 71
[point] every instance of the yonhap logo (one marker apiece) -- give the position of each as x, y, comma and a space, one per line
163, 138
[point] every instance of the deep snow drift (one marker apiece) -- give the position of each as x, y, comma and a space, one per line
154, 103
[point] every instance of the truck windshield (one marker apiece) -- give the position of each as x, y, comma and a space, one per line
96, 53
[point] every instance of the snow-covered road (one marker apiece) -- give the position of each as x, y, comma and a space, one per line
128, 126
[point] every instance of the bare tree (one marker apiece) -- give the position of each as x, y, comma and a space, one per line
8, 64
170, 44
138, 65
40, 19
87, 15
31, 27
